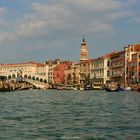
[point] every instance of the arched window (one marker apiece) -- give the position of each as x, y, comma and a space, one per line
108, 73
29, 77
13, 76
108, 63
33, 78
25, 76
37, 79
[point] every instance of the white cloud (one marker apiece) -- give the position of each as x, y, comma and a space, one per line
118, 15
67, 16
2, 10
29, 28
6, 37
95, 5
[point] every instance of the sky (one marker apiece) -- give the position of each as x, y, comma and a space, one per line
41, 30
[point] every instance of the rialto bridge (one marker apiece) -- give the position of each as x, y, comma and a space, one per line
39, 81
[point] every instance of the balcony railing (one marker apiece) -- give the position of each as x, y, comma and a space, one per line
118, 65
116, 75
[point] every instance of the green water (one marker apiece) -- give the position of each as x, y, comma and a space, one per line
78, 115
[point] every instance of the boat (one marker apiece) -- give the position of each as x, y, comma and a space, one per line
5, 89
59, 88
88, 87
68, 87
81, 88
127, 88
75, 88
112, 87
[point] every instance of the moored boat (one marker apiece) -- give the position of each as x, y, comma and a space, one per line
112, 87
59, 88
127, 88
81, 88
68, 87
5, 89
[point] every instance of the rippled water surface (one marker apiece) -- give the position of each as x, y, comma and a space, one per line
82, 115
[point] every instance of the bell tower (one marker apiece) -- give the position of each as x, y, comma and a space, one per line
83, 50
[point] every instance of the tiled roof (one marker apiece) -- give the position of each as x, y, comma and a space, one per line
24, 63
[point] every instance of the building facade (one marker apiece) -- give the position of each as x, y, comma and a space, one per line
51, 64
130, 50
134, 69
30, 68
59, 72
84, 73
72, 75
117, 67
100, 71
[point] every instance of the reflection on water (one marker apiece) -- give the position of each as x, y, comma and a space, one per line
51, 114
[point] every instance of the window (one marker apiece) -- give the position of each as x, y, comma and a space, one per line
108, 73
108, 63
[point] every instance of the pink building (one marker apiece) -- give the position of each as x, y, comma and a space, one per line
131, 63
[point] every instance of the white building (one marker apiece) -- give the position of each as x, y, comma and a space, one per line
99, 71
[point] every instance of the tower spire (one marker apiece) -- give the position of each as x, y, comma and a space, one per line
84, 39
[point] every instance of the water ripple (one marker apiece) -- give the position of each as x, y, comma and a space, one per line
53, 115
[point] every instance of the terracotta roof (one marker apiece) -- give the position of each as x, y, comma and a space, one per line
24, 63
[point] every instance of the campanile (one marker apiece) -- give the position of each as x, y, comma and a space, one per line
83, 50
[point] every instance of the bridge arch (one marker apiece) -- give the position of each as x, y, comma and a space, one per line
37, 79
41, 80
25, 76
33, 78
9, 76
13, 76
29, 77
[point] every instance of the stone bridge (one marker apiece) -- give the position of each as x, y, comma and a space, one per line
39, 81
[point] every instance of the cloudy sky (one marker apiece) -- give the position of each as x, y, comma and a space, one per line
48, 29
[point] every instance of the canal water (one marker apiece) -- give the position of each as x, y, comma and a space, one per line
78, 115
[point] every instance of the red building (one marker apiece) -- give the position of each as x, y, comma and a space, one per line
134, 69
59, 72
131, 63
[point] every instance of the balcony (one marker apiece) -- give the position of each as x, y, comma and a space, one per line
82, 78
118, 65
116, 75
